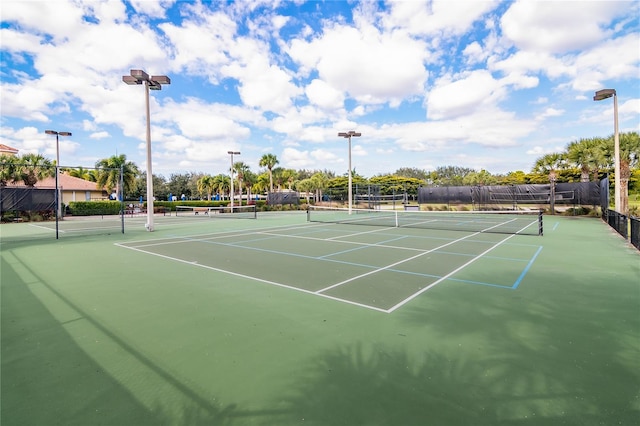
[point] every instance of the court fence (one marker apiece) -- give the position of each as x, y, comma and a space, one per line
627, 226
634, 237
501, 197
283, 197
35, 193
19, 204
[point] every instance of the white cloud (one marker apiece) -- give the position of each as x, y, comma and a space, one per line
99, 135
539, 151
296, 159
436, 17
323, 95
155, 8
550, 112
463, 96
610, 60
369, 66
550, 26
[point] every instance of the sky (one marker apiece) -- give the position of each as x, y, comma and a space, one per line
479, 84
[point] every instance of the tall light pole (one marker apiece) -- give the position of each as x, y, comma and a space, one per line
53, 132
348, 135
154, 83
232, 153
605, 94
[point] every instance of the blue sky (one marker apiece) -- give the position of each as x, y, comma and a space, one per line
479, 84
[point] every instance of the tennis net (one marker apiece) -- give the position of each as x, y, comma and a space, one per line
235, 212
502, 222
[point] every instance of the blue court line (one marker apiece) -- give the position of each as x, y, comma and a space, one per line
480, 283
555, 226
362, 247
526, 269
325, 259
513, 259
286, 253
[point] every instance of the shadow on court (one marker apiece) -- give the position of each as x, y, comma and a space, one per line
562, 366
49, 379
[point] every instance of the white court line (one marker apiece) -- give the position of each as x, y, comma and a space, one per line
217, 234
393, 264
433, 284
353, 243
415, 257
249, 277
319, 292
42, 227
386, 228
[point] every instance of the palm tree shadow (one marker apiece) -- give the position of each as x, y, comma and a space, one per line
376, 386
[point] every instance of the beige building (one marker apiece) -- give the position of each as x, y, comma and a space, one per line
74, 189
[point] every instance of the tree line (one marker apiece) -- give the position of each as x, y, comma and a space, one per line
582, 160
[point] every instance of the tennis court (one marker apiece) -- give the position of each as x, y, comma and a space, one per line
282, 320
373, 266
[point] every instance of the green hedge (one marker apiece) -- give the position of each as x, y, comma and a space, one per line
171, 205
94, 208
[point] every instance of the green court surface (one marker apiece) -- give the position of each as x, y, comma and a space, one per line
280, 321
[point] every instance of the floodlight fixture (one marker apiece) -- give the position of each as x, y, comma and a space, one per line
604, 94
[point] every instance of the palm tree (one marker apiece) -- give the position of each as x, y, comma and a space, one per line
585, 155
249, 179
83, 173
109, 173
306, 186
30, 168
600, 160
206, 185
269, 161
629, 159
320, 182
261, 183
222, 183
278, 177
240, 168
8, 164
288, 176
550, 164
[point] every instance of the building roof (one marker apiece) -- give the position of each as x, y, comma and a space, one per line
66, 183
6, 149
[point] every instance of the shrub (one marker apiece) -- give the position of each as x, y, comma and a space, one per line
577, 211
94, 208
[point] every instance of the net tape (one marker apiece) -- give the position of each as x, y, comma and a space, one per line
502, 222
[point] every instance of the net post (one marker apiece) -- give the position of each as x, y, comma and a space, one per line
308, 213
57, 198
540, 227
122, 197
